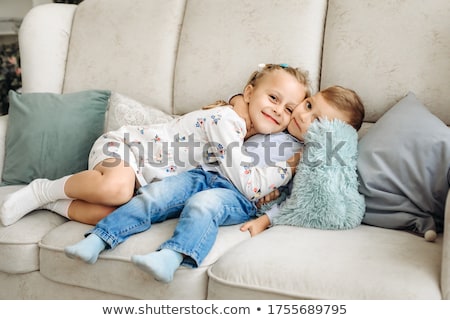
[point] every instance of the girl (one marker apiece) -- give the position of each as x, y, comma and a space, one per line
334, 102
202, 200
134, 156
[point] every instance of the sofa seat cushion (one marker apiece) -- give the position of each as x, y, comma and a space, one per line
113, 271
362, 263
33, 286
19, 250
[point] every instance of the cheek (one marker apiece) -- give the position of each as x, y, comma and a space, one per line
307, 125
286, 119
293, 130
255, 107
252, 112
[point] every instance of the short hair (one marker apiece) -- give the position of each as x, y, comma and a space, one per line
346, 100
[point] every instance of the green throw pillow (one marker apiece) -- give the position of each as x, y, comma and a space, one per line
50, 135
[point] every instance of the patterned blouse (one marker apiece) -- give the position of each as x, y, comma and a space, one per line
211, 138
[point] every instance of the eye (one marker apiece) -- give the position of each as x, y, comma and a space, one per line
289, 109
273, 98
308, 105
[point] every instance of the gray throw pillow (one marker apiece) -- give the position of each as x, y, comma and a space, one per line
403, 167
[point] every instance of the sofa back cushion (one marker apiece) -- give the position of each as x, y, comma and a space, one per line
128, 47
223, 41
384, 49
181, 55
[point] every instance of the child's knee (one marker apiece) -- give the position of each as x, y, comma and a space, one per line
205, 202
116, 193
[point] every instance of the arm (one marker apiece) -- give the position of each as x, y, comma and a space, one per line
241, 108
268, 198
257, 225
263, 222
226, 136
293, 161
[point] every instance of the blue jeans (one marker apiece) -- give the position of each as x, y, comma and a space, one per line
201, 200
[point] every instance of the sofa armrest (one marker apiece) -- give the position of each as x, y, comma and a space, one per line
3, 126
445, 266
44, 41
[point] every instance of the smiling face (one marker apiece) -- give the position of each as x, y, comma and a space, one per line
272, 99
313, 108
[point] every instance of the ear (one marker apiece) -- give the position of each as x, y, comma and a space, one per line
248, 91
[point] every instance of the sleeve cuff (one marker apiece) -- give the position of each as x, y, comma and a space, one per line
273, 212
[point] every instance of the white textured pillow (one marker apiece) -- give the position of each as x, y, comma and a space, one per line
123, 110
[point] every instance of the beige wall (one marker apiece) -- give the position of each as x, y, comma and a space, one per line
11, 13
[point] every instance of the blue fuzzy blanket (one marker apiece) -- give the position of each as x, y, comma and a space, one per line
325, 187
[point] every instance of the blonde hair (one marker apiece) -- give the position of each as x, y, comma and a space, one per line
346, 100
302, 76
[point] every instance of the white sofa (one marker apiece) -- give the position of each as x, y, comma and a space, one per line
178, 55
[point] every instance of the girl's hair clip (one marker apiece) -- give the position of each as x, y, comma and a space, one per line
261, 67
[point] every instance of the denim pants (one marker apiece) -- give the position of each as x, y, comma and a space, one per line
201, 200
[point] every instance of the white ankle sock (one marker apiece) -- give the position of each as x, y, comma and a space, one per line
60, 207
38, 193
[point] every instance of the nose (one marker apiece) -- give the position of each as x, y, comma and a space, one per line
278, 109
305, 117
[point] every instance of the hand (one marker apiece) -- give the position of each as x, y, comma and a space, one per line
215, 105
257, 225
293, 161
275, 194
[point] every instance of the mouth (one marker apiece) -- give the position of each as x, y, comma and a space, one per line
270, 118
297, 124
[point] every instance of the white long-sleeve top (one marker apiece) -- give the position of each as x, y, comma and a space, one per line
269, 149
211, 138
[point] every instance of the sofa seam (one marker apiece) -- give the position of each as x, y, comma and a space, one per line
177, 50
253, 287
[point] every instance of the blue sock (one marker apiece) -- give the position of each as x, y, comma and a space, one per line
161, 264
87, 249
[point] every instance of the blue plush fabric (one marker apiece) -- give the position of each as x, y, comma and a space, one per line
325, 187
